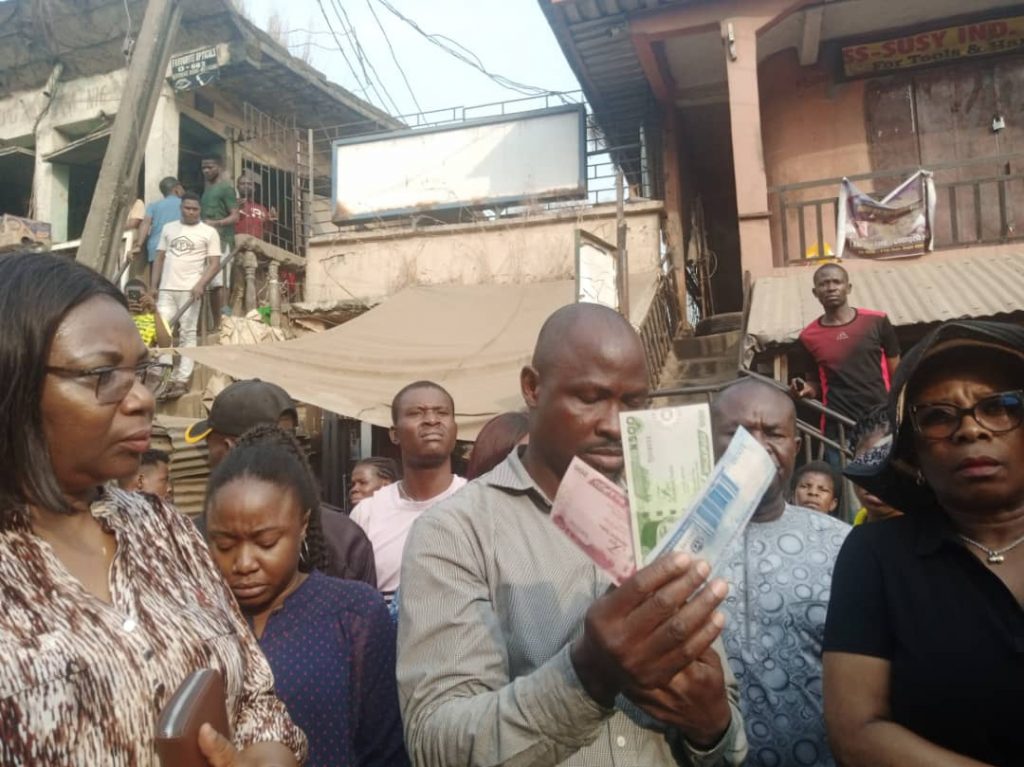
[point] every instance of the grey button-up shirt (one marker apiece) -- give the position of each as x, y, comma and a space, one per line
492, 597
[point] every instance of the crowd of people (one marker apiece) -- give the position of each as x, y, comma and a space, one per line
181, 242
895, 641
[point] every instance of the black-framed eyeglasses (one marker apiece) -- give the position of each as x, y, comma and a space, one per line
114, 383
997, 413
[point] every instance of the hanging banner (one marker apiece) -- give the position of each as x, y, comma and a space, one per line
897, 226
981, 38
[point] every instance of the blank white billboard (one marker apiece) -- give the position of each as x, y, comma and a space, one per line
495, 161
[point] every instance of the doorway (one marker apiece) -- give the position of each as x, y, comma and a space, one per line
195, 141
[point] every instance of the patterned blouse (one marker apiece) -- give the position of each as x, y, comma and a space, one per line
83, 681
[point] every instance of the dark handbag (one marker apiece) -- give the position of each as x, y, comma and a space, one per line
199, 699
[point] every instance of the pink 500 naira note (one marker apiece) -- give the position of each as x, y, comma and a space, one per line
594, 513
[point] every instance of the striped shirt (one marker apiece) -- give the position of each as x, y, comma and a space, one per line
492, 597
83, 681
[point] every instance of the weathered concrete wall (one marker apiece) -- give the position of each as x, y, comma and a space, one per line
87, 100
813, 126
370, 266
74, 102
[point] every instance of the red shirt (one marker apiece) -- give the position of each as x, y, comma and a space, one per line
851, 361
253, 219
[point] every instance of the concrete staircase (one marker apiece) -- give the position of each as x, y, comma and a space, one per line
190, 405
707, 358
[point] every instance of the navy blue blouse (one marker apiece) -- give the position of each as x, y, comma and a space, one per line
331, 646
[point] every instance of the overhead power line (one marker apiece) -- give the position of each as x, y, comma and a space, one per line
394, 57
468, 57
337, 42
362, 58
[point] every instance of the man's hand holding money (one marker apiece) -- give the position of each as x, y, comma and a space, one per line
694, 701
639, 637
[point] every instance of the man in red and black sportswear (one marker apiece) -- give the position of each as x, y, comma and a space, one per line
855, 351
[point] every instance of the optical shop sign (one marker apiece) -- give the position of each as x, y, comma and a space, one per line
982, 38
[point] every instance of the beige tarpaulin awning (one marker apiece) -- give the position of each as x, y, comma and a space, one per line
473, 340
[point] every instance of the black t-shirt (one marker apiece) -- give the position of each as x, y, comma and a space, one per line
850, 361
907, 590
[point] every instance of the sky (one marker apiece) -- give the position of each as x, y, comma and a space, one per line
510, 38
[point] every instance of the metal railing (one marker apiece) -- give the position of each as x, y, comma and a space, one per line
659, 327
254, 256
815, 442
982, 208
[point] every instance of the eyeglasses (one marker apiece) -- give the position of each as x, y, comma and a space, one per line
114, 383
997, 413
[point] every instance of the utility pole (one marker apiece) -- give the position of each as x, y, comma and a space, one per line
116, 186
622, 256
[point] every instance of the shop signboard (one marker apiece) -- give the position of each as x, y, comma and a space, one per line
937, 46
195, 68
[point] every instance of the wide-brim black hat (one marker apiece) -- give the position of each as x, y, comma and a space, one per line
884, 470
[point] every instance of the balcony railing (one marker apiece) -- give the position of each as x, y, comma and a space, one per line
978, 202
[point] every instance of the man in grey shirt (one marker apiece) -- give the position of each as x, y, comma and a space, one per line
780, 571
512, 649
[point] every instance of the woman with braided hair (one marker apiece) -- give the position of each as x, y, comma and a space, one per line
330, 642
369, 475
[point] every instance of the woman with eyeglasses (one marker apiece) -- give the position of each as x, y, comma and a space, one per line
110, 599
924, 642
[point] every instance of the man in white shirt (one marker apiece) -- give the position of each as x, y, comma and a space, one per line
187, 259
424, 429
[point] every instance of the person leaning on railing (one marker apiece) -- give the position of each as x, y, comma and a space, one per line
924, 641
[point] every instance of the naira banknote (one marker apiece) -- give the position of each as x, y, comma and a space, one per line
668, 456
725, 504
594, 513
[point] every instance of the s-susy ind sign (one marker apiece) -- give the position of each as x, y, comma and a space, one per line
937, 46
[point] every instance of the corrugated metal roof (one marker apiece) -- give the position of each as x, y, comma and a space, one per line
594, 36
577, 11
910, 293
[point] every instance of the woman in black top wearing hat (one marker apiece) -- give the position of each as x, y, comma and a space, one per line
924, 643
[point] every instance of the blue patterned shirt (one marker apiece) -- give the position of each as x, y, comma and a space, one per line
780, 579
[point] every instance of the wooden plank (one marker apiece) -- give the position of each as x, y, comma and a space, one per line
672, 169
888, 109
955, 106
115, 188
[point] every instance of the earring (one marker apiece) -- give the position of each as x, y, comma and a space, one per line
919, 478
304, 551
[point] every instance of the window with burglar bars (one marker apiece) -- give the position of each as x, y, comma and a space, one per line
274, 189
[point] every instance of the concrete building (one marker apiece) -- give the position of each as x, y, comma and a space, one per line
757, 109
241, 94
